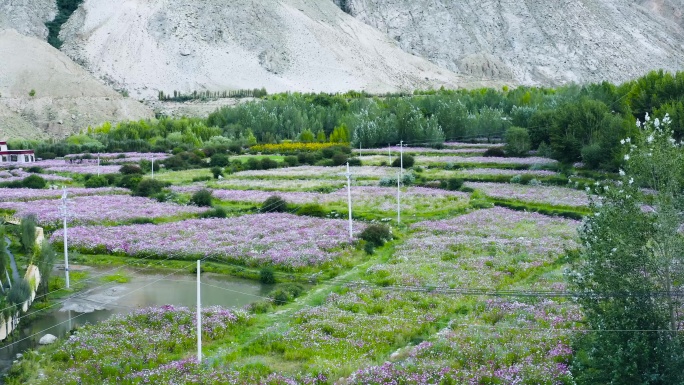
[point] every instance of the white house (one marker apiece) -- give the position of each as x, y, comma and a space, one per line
15, 156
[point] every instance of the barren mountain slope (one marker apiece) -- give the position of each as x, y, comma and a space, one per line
289, 45
534, 41
66, 99
27, 16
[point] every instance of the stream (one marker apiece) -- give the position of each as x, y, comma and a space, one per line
101, 301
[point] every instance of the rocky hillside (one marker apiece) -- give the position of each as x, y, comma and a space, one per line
534, 42
43, 92
27, 16
288, 45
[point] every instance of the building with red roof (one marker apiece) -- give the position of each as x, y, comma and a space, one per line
15, 156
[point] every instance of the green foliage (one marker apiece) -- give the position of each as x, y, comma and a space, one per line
4, 258
45, 262
408, 161
267, 275
312, 210
219, 160
19, 293
64, 10
149, 187
202, 198
494, 152
27, 231
96, 181
376, 234
291, 161
129, 169
34, 182
286, 293
517, 141
32, 93
454, 184
218, 212
629, 265
216, 171
274, 204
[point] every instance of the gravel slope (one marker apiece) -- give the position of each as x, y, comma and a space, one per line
67, 98
535, 42
288, 45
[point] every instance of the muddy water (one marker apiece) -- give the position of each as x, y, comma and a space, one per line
115, 298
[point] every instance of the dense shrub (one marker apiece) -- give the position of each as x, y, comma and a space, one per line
408, 161
291, 161
149, 187
376, 234
217, 172
35, 169
454, 184
34, 181
129, 181
218, 212
202, 198
267, 275
312, 210
219, 160
339, 159
268, 163
129, 169
274, 204
494, 152
97, 181
354, 162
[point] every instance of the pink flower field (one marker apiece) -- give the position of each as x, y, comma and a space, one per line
98, 209
27, 194
279, 239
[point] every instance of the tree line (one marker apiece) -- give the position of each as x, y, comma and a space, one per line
572, 123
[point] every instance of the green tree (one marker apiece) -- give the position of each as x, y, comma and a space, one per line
630, 266
4, 257
202, 198
45, 262
28, 233
517, 141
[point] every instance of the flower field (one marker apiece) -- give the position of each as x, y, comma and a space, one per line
26, 194
319, 172
19, 174
122, 157
100, 208
491, 248
483, 160
449, 299
275, 184
511, 173
149, 346
556, 196
395, 150
279, 239
84, 169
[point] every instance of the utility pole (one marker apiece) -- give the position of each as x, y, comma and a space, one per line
98, 164
398, 200
389, 152
64, 211
401, 154
199, 316
348, 174
152, 166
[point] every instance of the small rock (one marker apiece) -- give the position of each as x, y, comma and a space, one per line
60, 122
20, 356
47, 339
